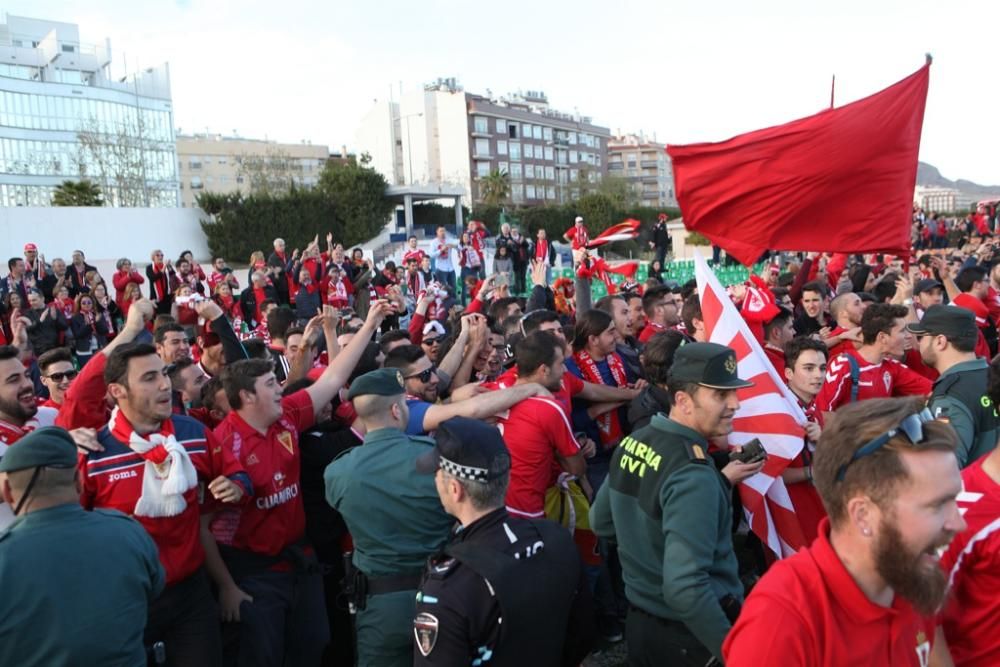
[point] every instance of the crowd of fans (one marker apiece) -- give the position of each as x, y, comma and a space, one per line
237, 392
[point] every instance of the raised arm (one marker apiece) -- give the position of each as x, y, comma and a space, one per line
482, 406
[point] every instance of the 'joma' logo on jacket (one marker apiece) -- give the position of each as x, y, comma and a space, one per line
115, 476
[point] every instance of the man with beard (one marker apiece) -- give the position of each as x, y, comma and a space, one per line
887, 474
661, 312
846, 311
971, 617
946, 338
671, 513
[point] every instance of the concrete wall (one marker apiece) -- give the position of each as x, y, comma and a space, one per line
104, 234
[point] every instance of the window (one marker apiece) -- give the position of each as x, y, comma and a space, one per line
549, 153
482, 168
481, 124
515, 150
547, 133
550, 192
501, 146
574, 157
512, 130
529, 192
517, 192
550, 173
526, 131
196, 183
529, 151
515, 171
194, 162
503, 167
482, 147
222, 160
536, 131
561, 157
572, 137
573, 174
501, 126
529, 171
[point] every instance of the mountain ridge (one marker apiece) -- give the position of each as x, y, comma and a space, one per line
929, 175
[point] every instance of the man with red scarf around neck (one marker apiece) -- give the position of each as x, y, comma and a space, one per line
150, 468
267, 560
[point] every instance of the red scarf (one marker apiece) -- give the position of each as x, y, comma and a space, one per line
160, 284
542, 251
608, 424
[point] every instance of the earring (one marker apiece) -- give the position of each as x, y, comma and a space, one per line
867, 532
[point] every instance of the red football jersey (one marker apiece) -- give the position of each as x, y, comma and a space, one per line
808, 610
882, 380
416, 254
578, 236
971, 619
535, 430
275, 517
650, 330
571, 386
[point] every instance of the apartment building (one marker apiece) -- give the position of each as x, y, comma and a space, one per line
644, 163
217, 163
444, 135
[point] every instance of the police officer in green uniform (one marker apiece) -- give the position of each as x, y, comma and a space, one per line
670, 511
74, 585
393, 514
504, 591
947, 338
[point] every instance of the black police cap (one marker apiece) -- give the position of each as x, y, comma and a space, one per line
468, 449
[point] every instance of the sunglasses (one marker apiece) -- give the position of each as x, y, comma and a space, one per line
86, 303
424, 376
59, 377
432, 341
911, 427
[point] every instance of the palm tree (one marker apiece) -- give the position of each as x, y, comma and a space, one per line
77, 193
494, 189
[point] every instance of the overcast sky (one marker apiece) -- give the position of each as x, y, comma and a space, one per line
686, 70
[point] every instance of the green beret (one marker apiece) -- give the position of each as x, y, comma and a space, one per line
48, 447
708, 364
383, 382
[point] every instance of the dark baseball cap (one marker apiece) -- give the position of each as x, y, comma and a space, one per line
468, 449
708, 364
48, 447
383, 382
952, 322
926, 285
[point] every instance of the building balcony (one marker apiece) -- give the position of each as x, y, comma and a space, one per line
482, 156
650, 194
650, 178
616, 166
647, 164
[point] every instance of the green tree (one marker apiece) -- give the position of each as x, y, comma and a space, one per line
598, 212
77, 193
494, 189
620, 191
358, 195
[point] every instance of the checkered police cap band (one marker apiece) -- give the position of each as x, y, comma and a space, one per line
467, 473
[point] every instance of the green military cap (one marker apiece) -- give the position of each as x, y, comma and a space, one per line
708, 364
383, 382
48, 447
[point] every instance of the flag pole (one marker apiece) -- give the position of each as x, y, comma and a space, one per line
833, 85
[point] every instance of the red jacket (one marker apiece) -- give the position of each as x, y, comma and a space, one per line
121, 279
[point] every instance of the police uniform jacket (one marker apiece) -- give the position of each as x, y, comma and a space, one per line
393, 514
504, 591
959, 396
671, 514
74, 588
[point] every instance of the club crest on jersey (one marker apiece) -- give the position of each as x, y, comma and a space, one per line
279, 478
425, 630
887, 381
252, 460
285, 438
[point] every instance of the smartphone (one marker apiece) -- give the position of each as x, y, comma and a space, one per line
752, 452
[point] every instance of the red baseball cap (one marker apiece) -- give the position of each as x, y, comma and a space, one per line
30, 247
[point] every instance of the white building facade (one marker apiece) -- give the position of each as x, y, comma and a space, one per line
63, 117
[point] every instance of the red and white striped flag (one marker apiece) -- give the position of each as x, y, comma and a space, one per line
768, 411
623, 231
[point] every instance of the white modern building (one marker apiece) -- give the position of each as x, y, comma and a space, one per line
444, 135
937, 199
65, 116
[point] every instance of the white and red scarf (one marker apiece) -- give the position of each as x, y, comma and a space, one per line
608, 425
542, 251
169, 473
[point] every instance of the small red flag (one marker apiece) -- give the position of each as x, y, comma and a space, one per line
838, 181
623, 231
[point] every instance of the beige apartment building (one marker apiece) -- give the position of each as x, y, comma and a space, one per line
645, 164
216, 163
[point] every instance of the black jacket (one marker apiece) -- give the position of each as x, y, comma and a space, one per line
44, 333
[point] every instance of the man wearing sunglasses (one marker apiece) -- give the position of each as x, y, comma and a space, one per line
57, 372
421, 383
864, 592
946, 338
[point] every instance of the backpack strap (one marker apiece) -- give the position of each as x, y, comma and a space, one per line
855, 376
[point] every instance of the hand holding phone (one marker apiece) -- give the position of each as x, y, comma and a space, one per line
752, 452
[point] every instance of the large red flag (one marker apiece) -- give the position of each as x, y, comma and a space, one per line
768, 411
839, 181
